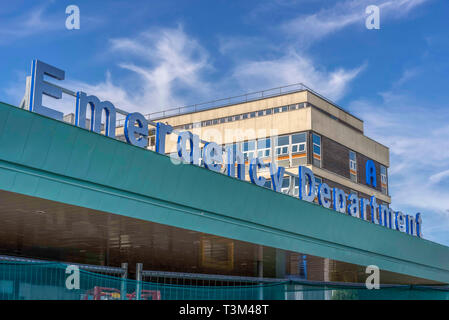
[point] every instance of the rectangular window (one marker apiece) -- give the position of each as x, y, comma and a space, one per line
284, 109
252, 114
293, 107
245, 116
383, 179
318, 181
215, 121
248, 149
268, 111
299, 143
353, 166
264, 148
316, 156
260, 113
277, 110
285, 184
282, 148
230, 119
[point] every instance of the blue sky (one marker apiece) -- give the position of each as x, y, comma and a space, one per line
152, 55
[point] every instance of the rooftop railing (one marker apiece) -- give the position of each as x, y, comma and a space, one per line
247, 97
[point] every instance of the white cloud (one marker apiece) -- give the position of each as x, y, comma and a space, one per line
33, 21
165, 62
313, 27
294, 68
437, 177
419, 154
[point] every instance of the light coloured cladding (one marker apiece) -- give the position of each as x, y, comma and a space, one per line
335, 111
236, 109
350, 138
254, 128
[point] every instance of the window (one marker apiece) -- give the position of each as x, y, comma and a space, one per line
352, 166
268, 111
252, 114
298, 143
230, 119
245, 116
215, 121
383, 179
282, 146
267, 184
318, 181
316, 140
264, 148
260, 113
285, 184
222, 120
284, 109
277, 110
293, 107
248, 150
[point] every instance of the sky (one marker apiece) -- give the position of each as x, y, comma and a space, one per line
149, 56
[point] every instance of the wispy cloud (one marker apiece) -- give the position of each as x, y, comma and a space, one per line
294, 68
165, 69
34, 20
419, 154
310, 28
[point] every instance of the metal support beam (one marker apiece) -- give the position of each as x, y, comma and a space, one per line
123, 287
139, 268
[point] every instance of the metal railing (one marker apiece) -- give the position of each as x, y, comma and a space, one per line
252, 96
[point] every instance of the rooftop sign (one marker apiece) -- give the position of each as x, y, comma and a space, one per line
214, 156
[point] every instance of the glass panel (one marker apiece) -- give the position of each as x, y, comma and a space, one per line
316, 139
298, 138
267, 184
260, 113
352, 155
268, 111
283, 140
316, 149
248, 145
263, 143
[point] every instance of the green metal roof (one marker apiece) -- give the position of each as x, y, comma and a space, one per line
49, 159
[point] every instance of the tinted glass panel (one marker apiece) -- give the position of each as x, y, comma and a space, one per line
283, 140
298, 138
